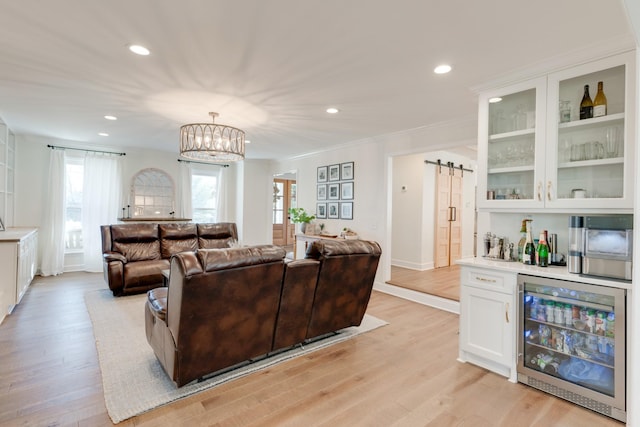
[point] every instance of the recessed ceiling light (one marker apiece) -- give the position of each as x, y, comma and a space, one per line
332, 110
139, 50
246, 141
495, 99
442, 69
111, 117
103, 134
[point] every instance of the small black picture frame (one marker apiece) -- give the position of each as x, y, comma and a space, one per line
346, 210
321, 192
346, 190
322, 174
346, 171
333, 210
333, 191
321, 210
334, 173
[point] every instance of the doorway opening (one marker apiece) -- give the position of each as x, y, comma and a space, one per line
284, 197
432, 220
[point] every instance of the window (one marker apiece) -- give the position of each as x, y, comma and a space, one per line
152, 194
204, 195
74, 177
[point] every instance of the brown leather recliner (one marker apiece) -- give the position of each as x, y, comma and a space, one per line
219, 310
345, 281
135, 254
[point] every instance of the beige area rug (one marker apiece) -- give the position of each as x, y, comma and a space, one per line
132, 378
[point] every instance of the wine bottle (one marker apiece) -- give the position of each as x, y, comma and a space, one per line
600, 103
586, 105
523, 238
529, 253
543, 251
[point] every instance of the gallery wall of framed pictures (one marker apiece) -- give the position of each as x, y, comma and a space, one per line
335, 190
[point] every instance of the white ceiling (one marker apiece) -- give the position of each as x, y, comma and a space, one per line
272, 67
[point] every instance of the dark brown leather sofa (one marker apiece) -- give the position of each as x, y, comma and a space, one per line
135, 254
225, 307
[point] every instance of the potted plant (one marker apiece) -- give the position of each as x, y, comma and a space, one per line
300, 216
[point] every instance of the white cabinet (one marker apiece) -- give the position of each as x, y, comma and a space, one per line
487, 319
528, 159
7, 174
18, 260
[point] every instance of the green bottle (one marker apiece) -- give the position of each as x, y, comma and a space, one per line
529, 252
543, 251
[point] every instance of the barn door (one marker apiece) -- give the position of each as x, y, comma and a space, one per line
448, 244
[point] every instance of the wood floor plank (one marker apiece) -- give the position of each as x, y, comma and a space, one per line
403, 374
442, 282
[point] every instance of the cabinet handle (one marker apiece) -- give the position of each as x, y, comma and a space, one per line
539, 191
506, 313
549, 190
482, 279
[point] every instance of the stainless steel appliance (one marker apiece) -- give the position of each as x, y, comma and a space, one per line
576, 244
608, 244
571, 342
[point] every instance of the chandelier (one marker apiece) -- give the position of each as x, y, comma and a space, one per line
211, 142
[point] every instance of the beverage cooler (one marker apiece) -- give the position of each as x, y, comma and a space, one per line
571, 342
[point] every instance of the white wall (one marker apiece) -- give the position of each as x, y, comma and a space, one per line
407, 212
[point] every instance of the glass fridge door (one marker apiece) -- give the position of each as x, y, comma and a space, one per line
574, 332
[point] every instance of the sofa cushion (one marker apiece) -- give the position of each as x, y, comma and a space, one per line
175, 238
217, 235
223, 259
137, 242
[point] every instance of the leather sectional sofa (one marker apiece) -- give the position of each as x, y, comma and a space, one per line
224, 307
134, 255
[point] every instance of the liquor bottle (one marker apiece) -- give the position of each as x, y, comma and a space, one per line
529, 252
523, 238
600, 103
586, 105
543, 251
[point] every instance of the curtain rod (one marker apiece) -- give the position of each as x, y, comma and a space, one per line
82, 149
204, 163
448, 164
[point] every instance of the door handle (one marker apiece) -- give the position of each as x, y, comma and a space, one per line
454, 213
539, 191
506, 312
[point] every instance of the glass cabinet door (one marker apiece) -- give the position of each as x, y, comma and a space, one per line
508, 141
589, 165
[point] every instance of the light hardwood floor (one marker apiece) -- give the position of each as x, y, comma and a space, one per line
442, 282
403, 374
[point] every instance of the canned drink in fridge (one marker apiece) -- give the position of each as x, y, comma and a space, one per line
568, 315
558, 314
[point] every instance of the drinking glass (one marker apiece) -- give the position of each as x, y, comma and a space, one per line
611, 142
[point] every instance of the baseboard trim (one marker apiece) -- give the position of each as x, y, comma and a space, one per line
419, 297
412, 265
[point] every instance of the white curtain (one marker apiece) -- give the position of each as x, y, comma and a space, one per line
51, 235
221, 206
101, 202
184, 184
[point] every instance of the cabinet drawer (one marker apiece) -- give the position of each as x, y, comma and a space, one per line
489, 279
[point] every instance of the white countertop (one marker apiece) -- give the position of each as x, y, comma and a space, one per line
15, 234
553, 272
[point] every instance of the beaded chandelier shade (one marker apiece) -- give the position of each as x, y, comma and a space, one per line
211, 142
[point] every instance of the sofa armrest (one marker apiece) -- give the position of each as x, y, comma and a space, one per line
157, 301
114, 256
